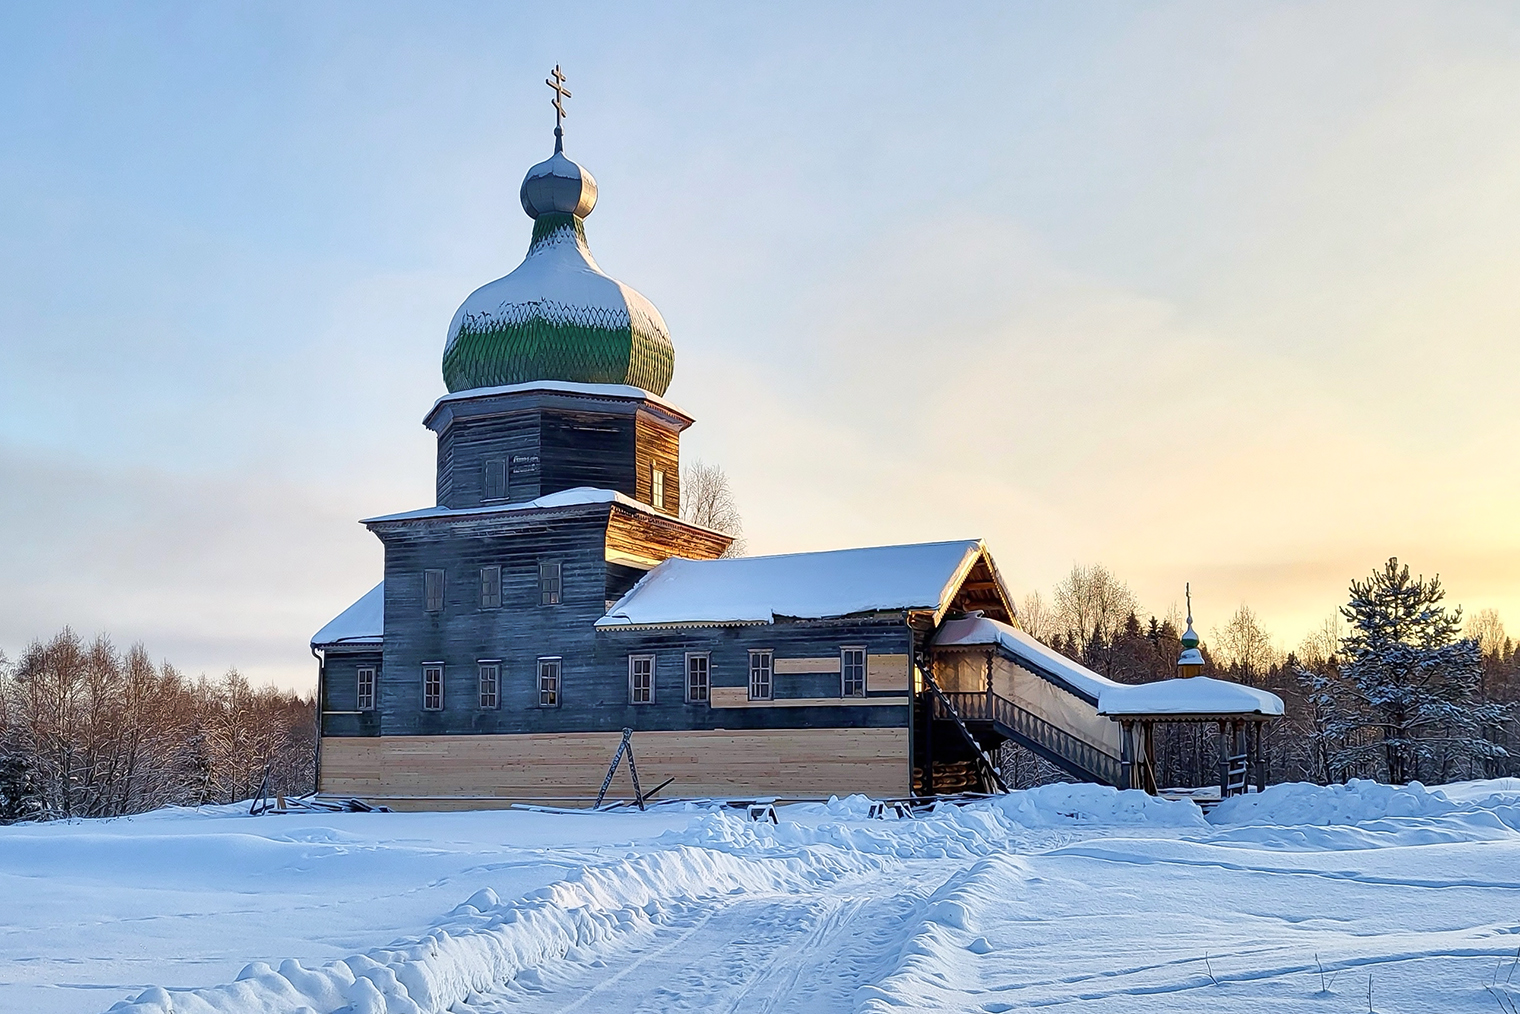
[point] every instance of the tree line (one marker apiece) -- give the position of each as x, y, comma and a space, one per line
1395, 685
87, 730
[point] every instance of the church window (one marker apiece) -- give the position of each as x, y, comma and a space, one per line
697, 676
760, 676
490, 587
366, 688
490, 685
549, 583
852, 671
657, 487
495, 479
432, 589
548, 682
641, 679
432, 687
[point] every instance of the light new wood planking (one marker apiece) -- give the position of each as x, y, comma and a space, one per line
441, 772
887, 672
738, 697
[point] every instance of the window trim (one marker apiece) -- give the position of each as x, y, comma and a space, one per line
559, 679
427, 598
769, 655
632, 692
359, 694
559, 583
864, 665
656, 486
428, 667
493, 587
494, 664
706, 657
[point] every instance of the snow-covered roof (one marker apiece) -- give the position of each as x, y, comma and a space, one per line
1197, 695
579, 496
361, 623
979, 630
618, 391
758, 589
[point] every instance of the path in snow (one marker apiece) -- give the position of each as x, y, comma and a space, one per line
763, 952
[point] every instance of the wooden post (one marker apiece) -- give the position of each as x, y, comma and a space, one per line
1224, 760
1127, 755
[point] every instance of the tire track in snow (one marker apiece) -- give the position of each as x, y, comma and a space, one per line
764, 952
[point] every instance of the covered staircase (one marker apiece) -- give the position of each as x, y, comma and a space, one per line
993, 719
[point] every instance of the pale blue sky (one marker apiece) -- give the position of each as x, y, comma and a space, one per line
1219, 292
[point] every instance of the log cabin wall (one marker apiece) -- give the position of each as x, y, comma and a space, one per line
338, 696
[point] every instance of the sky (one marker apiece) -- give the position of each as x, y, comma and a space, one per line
1223, 293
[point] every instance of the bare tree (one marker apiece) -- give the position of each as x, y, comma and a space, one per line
1035, 617
1244, 646
1485, 627
707, 499
1091, 604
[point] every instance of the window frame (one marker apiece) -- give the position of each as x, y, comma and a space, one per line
545, 596
768, 656
656, 486
429, 669
494, 666
486, 485
365, 701
844, 679
557, 663
633, 688
428, 577
490, 586
705, 657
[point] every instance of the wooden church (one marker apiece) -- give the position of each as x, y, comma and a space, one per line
554, 597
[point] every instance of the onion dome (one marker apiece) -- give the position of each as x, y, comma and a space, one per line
558, 316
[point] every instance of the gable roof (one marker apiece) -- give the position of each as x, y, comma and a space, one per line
361, 623
760, 589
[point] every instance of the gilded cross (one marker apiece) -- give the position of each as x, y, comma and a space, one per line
556, 80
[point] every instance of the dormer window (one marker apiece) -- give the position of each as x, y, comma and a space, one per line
657, 487
495, 484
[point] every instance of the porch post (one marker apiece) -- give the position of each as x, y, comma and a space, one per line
1127, 755
1224, 759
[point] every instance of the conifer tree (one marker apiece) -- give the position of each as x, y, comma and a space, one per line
1407, 697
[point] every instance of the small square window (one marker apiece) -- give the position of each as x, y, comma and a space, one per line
490, 587
432, 688
490, 685
697, 677
432, 590
657, 488
495, 484
852, 672
548, 682
549, 583
760, 675
641, 679
366, 688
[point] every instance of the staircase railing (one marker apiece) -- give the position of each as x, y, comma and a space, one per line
1076, 755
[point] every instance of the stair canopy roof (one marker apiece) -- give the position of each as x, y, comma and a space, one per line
1196, 698
925, 579
362, 623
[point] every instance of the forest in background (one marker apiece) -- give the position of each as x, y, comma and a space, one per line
87, 730
1394, 685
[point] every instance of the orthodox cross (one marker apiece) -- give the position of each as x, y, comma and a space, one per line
556, 80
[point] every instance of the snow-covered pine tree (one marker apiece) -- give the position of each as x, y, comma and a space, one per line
1407, 698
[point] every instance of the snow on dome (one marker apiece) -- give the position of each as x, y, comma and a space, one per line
980, 630
361, 623
1197, 695
558, 316
759, 589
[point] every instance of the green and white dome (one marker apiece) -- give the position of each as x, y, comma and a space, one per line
558, 316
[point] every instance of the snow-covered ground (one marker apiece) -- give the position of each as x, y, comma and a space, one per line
1067, 896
